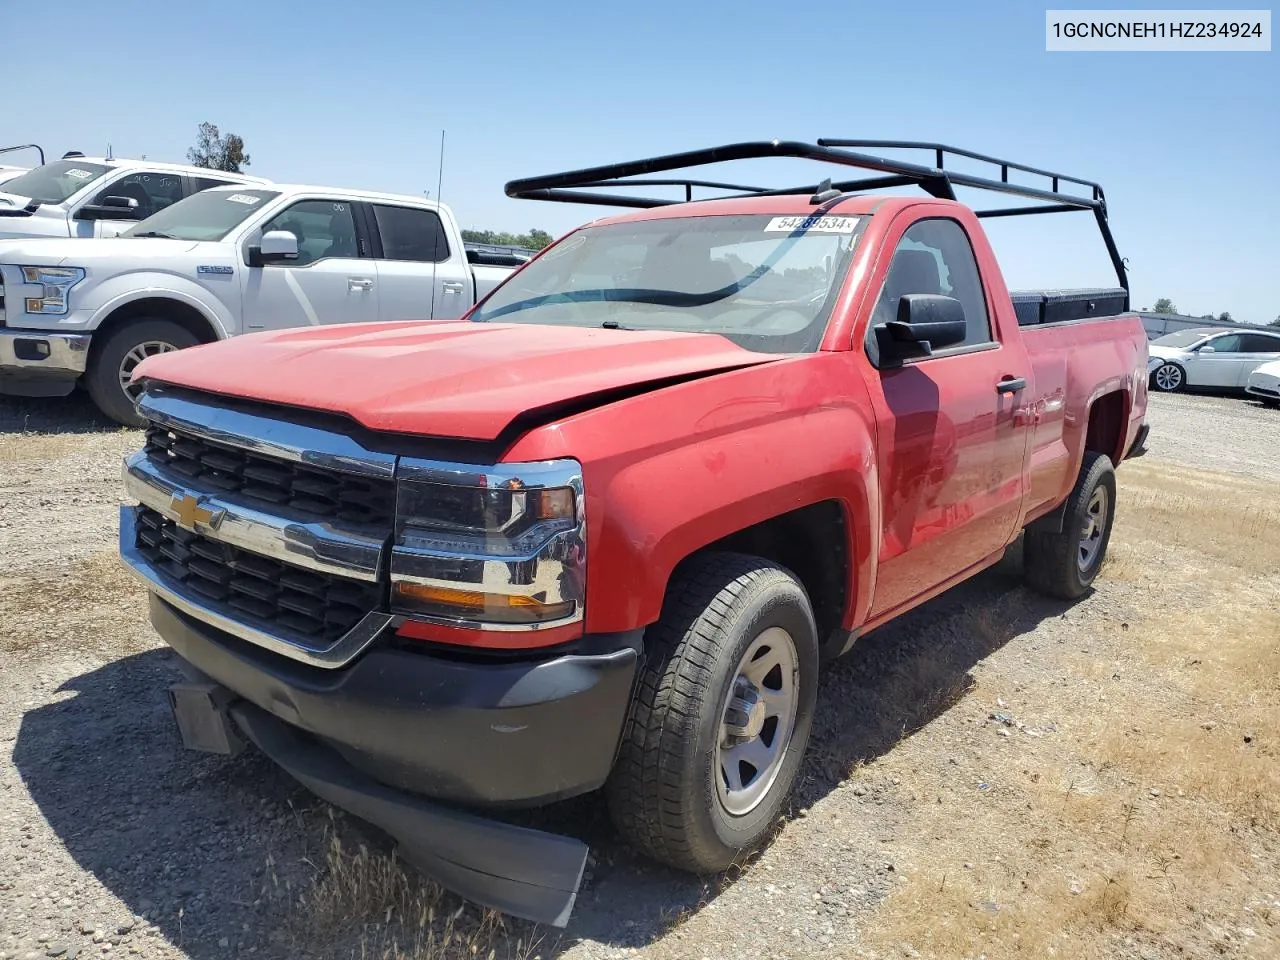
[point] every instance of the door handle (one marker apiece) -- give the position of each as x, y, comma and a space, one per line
1011, 385
358, 283
452, 286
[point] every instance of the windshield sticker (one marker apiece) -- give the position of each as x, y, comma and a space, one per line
811, 224
80, 174
243, 198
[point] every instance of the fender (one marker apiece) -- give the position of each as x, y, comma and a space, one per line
669, 472
118, 291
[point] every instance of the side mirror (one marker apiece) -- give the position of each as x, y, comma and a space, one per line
111, 208
277, 246
1207, 349
926, 322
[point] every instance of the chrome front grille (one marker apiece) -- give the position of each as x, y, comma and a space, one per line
269, 481
320, 607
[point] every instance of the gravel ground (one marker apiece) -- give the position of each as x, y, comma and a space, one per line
116, 842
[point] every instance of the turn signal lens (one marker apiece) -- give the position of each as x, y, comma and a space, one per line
476, 604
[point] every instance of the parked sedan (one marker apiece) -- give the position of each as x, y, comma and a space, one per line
1264, 383
1212, 357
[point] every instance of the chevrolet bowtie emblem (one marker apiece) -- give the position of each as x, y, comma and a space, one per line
190, 512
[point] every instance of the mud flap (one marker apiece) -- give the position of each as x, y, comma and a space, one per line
200, 710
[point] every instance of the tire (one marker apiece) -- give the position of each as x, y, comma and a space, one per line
1169, 378
1057, 563
119, 352
667, 794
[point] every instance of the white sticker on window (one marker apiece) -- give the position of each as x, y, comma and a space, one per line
80, 174
811, 224
244, 198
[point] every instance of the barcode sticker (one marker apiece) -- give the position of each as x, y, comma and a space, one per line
811, 224
80, 174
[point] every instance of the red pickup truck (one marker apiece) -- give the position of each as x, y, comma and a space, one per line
603, 532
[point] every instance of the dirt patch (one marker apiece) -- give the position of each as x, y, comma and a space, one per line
993, 774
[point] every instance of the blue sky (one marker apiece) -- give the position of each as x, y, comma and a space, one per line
1185, 144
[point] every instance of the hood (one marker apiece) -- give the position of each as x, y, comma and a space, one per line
455, 379
11, 201
86, 252
1156, 352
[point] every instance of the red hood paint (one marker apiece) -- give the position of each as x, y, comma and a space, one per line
456, 379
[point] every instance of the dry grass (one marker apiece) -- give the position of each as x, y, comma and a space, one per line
399, 915
82, 604
1141, 826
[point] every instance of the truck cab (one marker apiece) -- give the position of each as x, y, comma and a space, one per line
79, 196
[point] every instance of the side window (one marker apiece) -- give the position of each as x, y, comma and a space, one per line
1259, 343
411, 233
1228, 344
153, 191
935, 256
324, 228
204, 183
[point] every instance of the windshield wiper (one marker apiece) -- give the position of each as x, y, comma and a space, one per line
154, 233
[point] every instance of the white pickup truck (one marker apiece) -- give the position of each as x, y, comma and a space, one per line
80, 196
225, 261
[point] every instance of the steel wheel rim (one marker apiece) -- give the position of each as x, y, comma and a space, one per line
757, 721
148, 348
1168, 377
1095, 524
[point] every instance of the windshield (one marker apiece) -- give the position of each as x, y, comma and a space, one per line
764, 282
1183, 338
55, 182
208, 215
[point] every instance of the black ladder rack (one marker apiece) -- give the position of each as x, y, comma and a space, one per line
1061, 194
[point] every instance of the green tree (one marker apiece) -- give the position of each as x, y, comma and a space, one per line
216, 152
535, 239
1224, 317
1165, 305
1275, 322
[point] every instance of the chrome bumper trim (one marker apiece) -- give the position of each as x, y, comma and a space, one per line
338, 654
218, 422
315, 546
68, 352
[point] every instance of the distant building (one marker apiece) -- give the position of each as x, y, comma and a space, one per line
1158, 324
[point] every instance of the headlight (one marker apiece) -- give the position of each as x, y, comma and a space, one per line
57, 282
501, 549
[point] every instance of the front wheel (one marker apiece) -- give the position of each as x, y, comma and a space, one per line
721, 716
1169, 378
113, 361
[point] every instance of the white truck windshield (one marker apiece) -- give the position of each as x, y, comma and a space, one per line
208, 215
55, 182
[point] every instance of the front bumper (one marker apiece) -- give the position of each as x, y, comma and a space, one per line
393, 724
496, 734
37, 363
1264, 386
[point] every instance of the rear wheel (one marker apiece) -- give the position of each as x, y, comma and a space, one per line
114, 360
1065, 563
721, 716
1169, 378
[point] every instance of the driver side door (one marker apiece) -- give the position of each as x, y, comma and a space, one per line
1218, 366
332, 280
152, 190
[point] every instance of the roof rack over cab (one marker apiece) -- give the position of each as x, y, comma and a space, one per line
1062, 194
